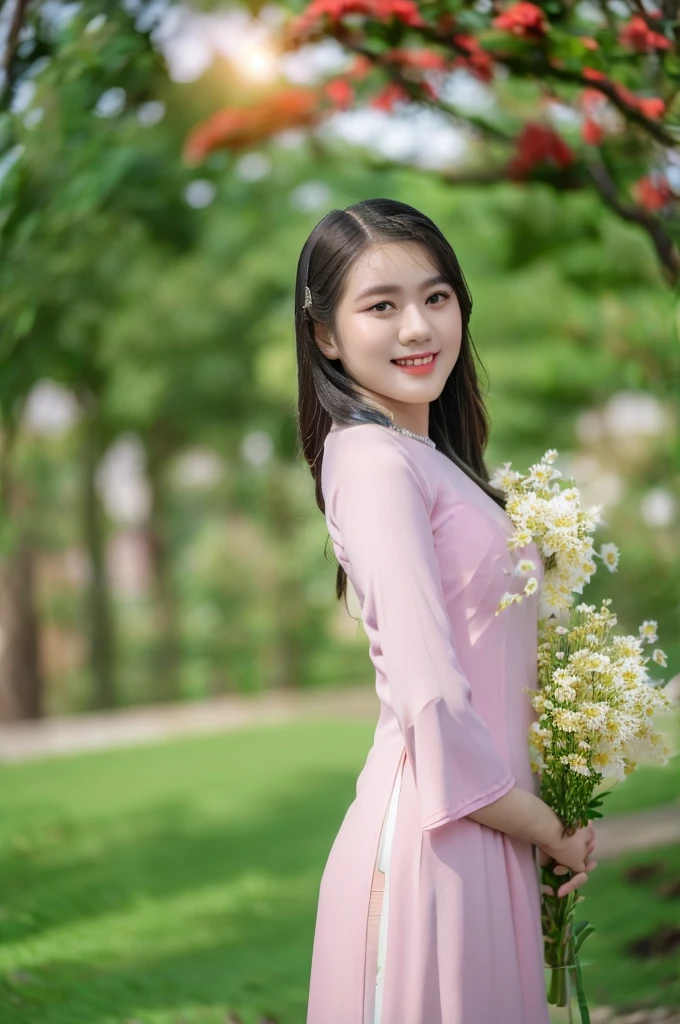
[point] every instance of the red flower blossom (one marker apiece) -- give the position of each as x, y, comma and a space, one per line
636, 35
652, 192
652, 107
593, 103
591, 132
359, 68
310, 21
589, 42
390, 94
418, 57
522, 19
592, 100
594, 75
538, 145
340, 93
406, 11
241, 127
476, 60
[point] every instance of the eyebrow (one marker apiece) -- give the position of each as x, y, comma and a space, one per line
394, 289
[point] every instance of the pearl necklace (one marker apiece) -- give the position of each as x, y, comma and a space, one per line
417, 437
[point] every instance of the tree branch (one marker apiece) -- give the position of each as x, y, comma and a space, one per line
543, 70
664, 245
631, 113
640, 8
9, 53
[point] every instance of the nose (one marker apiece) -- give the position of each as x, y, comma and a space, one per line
414, 325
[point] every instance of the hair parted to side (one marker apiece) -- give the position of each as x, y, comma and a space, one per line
458, 421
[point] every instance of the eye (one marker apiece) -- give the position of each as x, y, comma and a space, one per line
385, 302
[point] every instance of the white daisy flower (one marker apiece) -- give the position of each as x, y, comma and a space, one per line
609, 553
648, 630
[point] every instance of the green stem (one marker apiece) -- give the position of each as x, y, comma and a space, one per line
557, 995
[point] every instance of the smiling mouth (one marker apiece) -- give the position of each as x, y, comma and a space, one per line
416, 360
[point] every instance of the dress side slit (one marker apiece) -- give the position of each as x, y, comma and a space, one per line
376, 941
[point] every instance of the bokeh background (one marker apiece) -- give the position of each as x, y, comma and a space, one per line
166, 578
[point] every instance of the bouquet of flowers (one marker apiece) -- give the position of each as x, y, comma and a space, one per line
595, 702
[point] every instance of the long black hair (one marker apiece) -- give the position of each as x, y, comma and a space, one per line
458, 420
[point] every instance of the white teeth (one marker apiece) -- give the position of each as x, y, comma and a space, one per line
413, 362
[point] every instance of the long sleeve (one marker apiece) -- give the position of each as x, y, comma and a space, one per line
378, 507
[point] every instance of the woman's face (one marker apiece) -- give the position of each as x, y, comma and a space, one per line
396, 305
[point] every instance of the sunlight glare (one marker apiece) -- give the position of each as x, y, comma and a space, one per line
257, 61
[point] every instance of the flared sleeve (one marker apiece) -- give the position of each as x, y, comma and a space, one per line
379, 507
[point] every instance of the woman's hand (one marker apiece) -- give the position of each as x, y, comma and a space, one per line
583, 847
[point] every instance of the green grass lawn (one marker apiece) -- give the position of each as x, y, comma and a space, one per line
171, 883
624, 912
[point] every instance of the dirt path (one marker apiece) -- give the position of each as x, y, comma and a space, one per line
24, 741
644, 830
72, 734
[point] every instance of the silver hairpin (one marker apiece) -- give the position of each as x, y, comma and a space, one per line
308, 296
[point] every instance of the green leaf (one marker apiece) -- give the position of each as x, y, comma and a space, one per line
581, 995
505, 43
585, 931
565, 45
671, 64
596, 801
472, 22
24, 321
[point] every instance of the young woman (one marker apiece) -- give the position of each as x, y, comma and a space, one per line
429, 904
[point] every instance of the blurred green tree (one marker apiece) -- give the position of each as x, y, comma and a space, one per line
78, 187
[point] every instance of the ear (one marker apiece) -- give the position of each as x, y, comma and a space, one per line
325, 342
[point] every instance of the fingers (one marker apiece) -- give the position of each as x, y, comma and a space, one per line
574, 883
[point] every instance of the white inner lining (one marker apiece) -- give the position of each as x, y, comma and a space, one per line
384, 852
